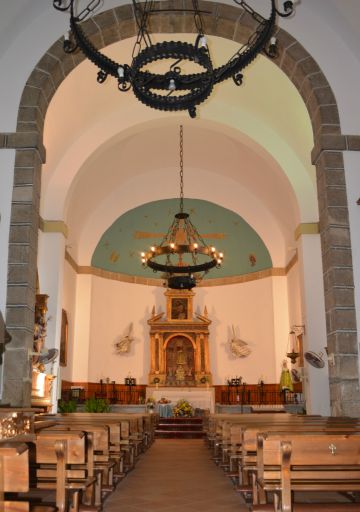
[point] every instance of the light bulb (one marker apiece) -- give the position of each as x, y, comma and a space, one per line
172, 85
143, 255
120, 71
152, 249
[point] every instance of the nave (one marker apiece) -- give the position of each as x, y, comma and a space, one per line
175, 475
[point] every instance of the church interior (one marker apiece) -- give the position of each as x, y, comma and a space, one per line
187, 272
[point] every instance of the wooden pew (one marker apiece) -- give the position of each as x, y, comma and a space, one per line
229, 442
245, 456
127, 431
55, 456
121, 448
14, 478
247, 444
100, 435
321, 462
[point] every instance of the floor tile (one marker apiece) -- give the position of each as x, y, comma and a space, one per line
172, 476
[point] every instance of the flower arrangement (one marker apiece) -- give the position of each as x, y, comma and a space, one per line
164, 400
183, 409
150, 402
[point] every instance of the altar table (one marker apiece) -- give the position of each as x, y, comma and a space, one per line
165, 410
199, 398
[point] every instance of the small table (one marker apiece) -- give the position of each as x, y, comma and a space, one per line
165, 410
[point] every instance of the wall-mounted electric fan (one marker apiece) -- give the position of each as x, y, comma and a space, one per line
315, 359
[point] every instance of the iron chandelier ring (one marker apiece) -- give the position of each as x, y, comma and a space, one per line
199, 84
143, 82
183, 269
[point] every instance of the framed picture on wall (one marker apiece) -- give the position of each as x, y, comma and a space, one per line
179, 308
64, 339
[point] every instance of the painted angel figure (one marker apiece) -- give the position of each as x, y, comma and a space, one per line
239, 347
123, 345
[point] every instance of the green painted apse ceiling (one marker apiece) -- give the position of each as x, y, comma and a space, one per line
137, 230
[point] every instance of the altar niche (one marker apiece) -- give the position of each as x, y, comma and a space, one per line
180, 361
179, 343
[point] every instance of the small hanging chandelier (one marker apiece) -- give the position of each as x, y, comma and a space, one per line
293, 353
182, 255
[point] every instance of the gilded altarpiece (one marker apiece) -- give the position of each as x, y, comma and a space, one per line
179, 343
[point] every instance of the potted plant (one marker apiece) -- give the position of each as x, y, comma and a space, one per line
96, 405
66, 406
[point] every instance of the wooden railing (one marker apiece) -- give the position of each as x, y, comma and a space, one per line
254, 394
111, 391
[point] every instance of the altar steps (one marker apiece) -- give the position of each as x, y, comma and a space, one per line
180, 428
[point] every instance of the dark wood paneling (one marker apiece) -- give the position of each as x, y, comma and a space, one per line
111, 391
267, 394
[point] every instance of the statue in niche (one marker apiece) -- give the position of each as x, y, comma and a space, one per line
41, 381
40, 330
180, 362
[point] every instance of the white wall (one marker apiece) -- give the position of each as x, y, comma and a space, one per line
317, 391
248, 306
294, 294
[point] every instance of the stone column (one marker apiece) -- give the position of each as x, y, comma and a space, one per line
24, 224
338, 273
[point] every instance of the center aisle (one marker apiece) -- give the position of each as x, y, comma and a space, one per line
175, 475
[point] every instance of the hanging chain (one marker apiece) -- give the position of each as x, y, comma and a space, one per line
181, 170
197, 17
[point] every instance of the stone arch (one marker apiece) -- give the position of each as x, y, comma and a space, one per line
329, 143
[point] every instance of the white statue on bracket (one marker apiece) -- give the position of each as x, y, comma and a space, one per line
238, 347
123, 345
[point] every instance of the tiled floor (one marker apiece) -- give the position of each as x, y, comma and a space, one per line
175, 475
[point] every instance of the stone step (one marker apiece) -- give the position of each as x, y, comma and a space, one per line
179, 426
182, 420
179, 434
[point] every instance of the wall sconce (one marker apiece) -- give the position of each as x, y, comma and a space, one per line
330, 357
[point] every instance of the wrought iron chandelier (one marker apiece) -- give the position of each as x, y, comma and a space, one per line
174, 89
182, 255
